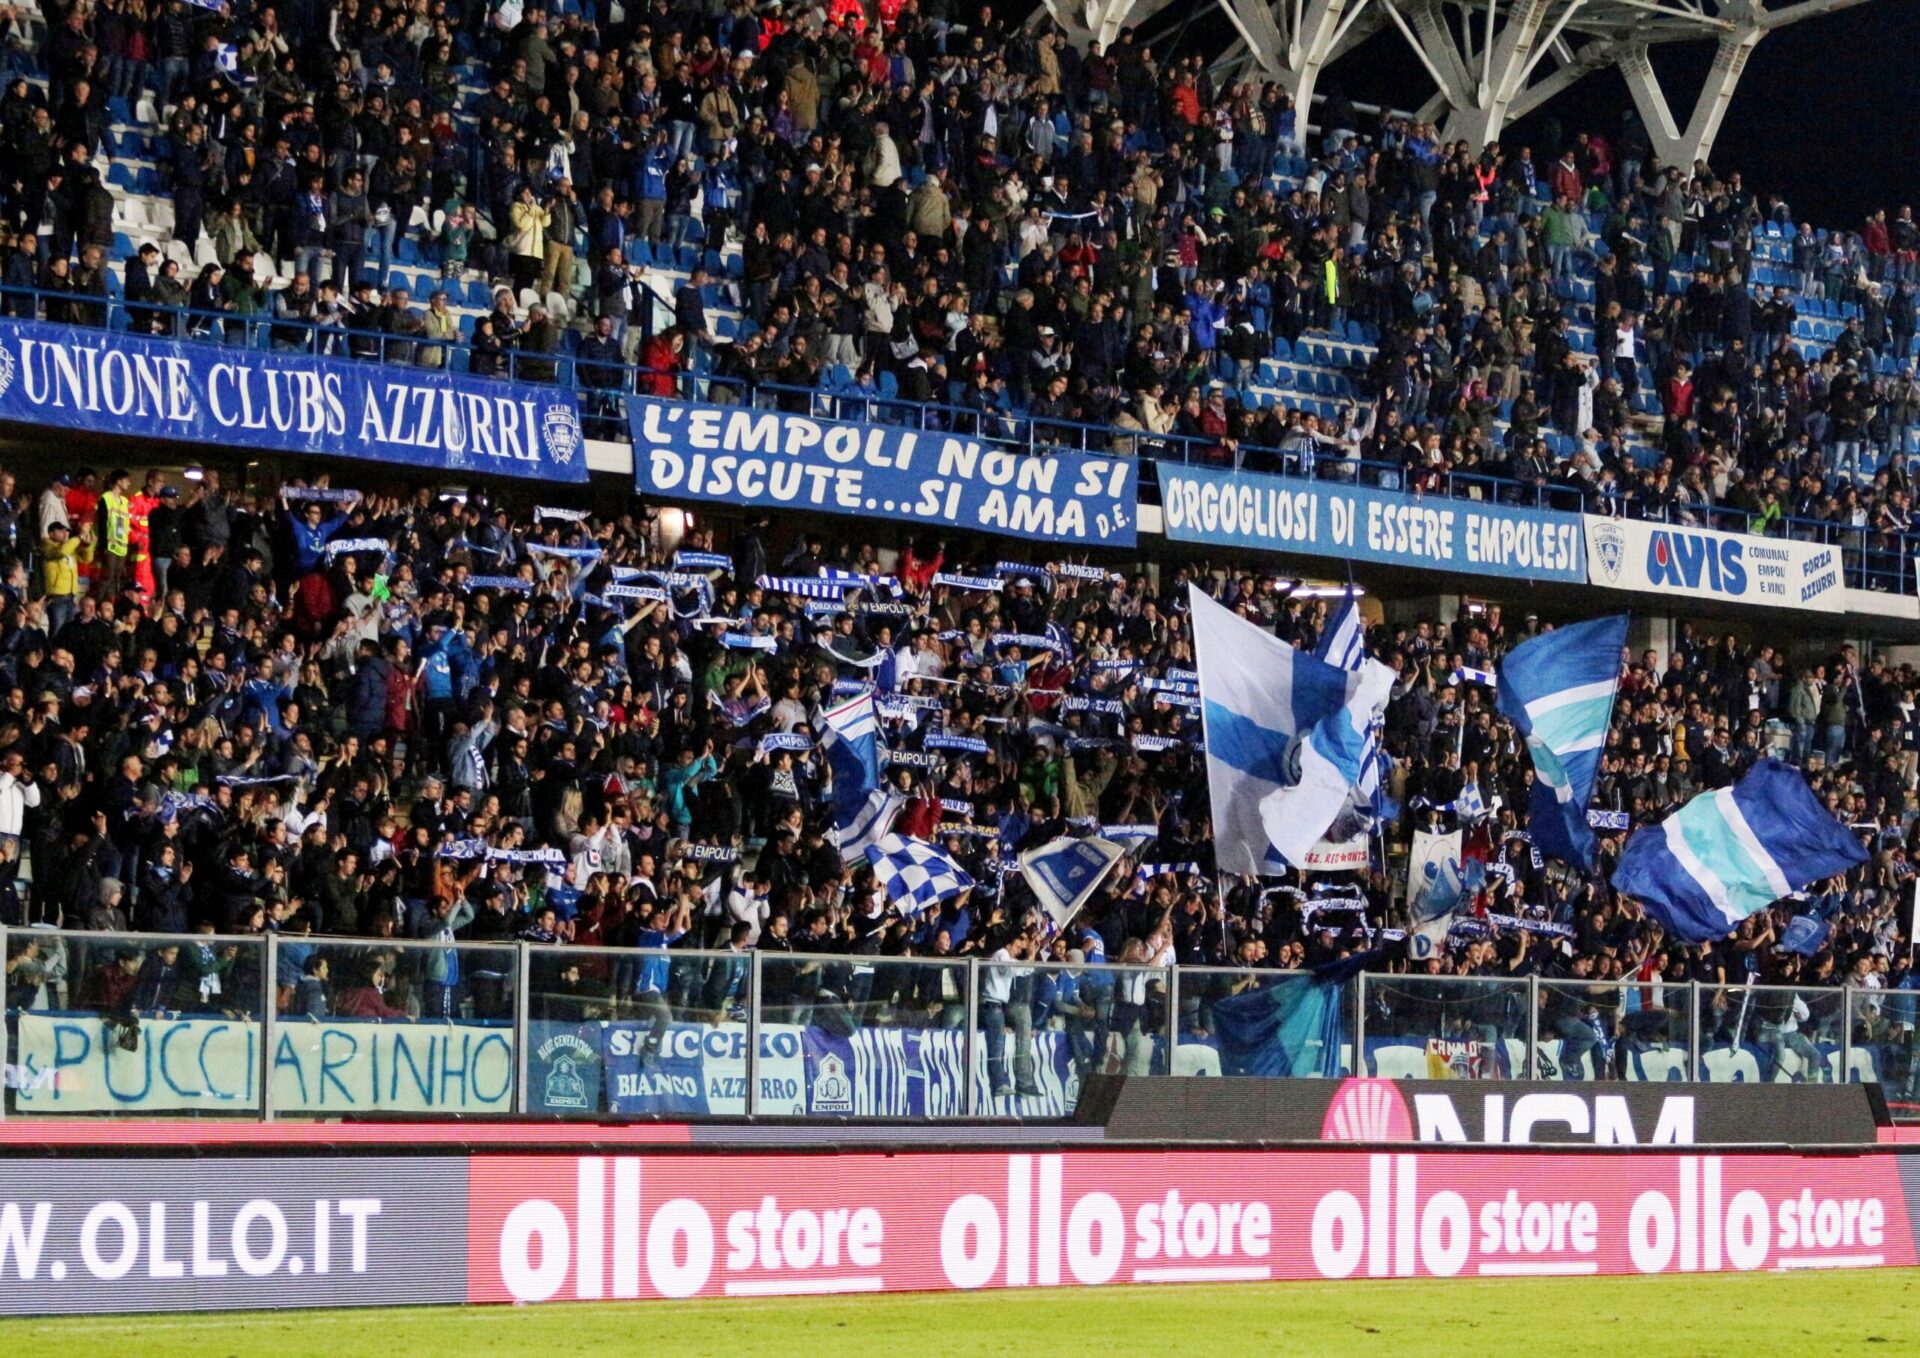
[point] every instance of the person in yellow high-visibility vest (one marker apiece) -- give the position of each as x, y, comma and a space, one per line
115, 536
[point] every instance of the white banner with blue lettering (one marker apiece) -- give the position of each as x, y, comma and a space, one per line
1392, 528
687, 450
1700, 563
71, 1063
206, 392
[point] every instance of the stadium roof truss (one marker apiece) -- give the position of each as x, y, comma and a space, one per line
1491, 61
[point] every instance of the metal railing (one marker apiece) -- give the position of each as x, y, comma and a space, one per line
262, 1027
1871, 559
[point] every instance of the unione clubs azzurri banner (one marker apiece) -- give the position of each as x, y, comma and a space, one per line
687, 450
210, 392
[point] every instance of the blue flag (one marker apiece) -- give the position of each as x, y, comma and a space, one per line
852, 741
1805, 935
1558, 690
1726, 854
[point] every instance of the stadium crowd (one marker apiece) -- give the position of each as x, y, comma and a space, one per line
937, 205
217, 723
320, 713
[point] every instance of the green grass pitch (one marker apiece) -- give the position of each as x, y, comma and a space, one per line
1779, 1315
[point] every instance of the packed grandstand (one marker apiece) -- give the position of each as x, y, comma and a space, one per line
346, 718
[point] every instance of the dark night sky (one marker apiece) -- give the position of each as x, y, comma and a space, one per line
1827, 114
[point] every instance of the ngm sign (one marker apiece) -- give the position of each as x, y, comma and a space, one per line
1701, 563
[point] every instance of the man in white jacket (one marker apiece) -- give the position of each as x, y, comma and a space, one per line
17, 793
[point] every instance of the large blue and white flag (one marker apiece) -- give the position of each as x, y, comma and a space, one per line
1066, 872
1286, 738
914, 874
1558, 689
1727, 854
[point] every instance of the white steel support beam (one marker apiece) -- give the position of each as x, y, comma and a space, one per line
1441, 52
1677, 146
1507, 60
1485, 56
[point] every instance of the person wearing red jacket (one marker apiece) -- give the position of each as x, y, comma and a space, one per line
848, 14
917, 571
920, 817
660, 361
1677, 393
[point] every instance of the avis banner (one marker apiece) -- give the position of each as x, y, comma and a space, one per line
687, 450
210, 392
1391, 528
73, 1063
1700, 563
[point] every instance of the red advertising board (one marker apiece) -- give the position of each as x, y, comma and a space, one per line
615, 1227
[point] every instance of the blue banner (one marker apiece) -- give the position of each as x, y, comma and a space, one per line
690, 1070
690, 451
207, 392
1392, 528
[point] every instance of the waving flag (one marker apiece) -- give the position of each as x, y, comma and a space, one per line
1344, 644
1067, 871
1286, 738
863, 811
914, 874
1727, 854
1558, 689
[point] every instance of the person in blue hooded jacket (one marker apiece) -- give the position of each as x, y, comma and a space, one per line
312, 530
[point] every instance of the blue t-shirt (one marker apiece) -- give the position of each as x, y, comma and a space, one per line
654, 970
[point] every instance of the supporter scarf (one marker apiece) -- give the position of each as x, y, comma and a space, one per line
1159, 869
738, 719
342, 545
866, 664
702, 561
785, 740
978, 584
1027, 641
969, 744
918, 759
508, 582
650, 593
553, 512
466, 850
322, 494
